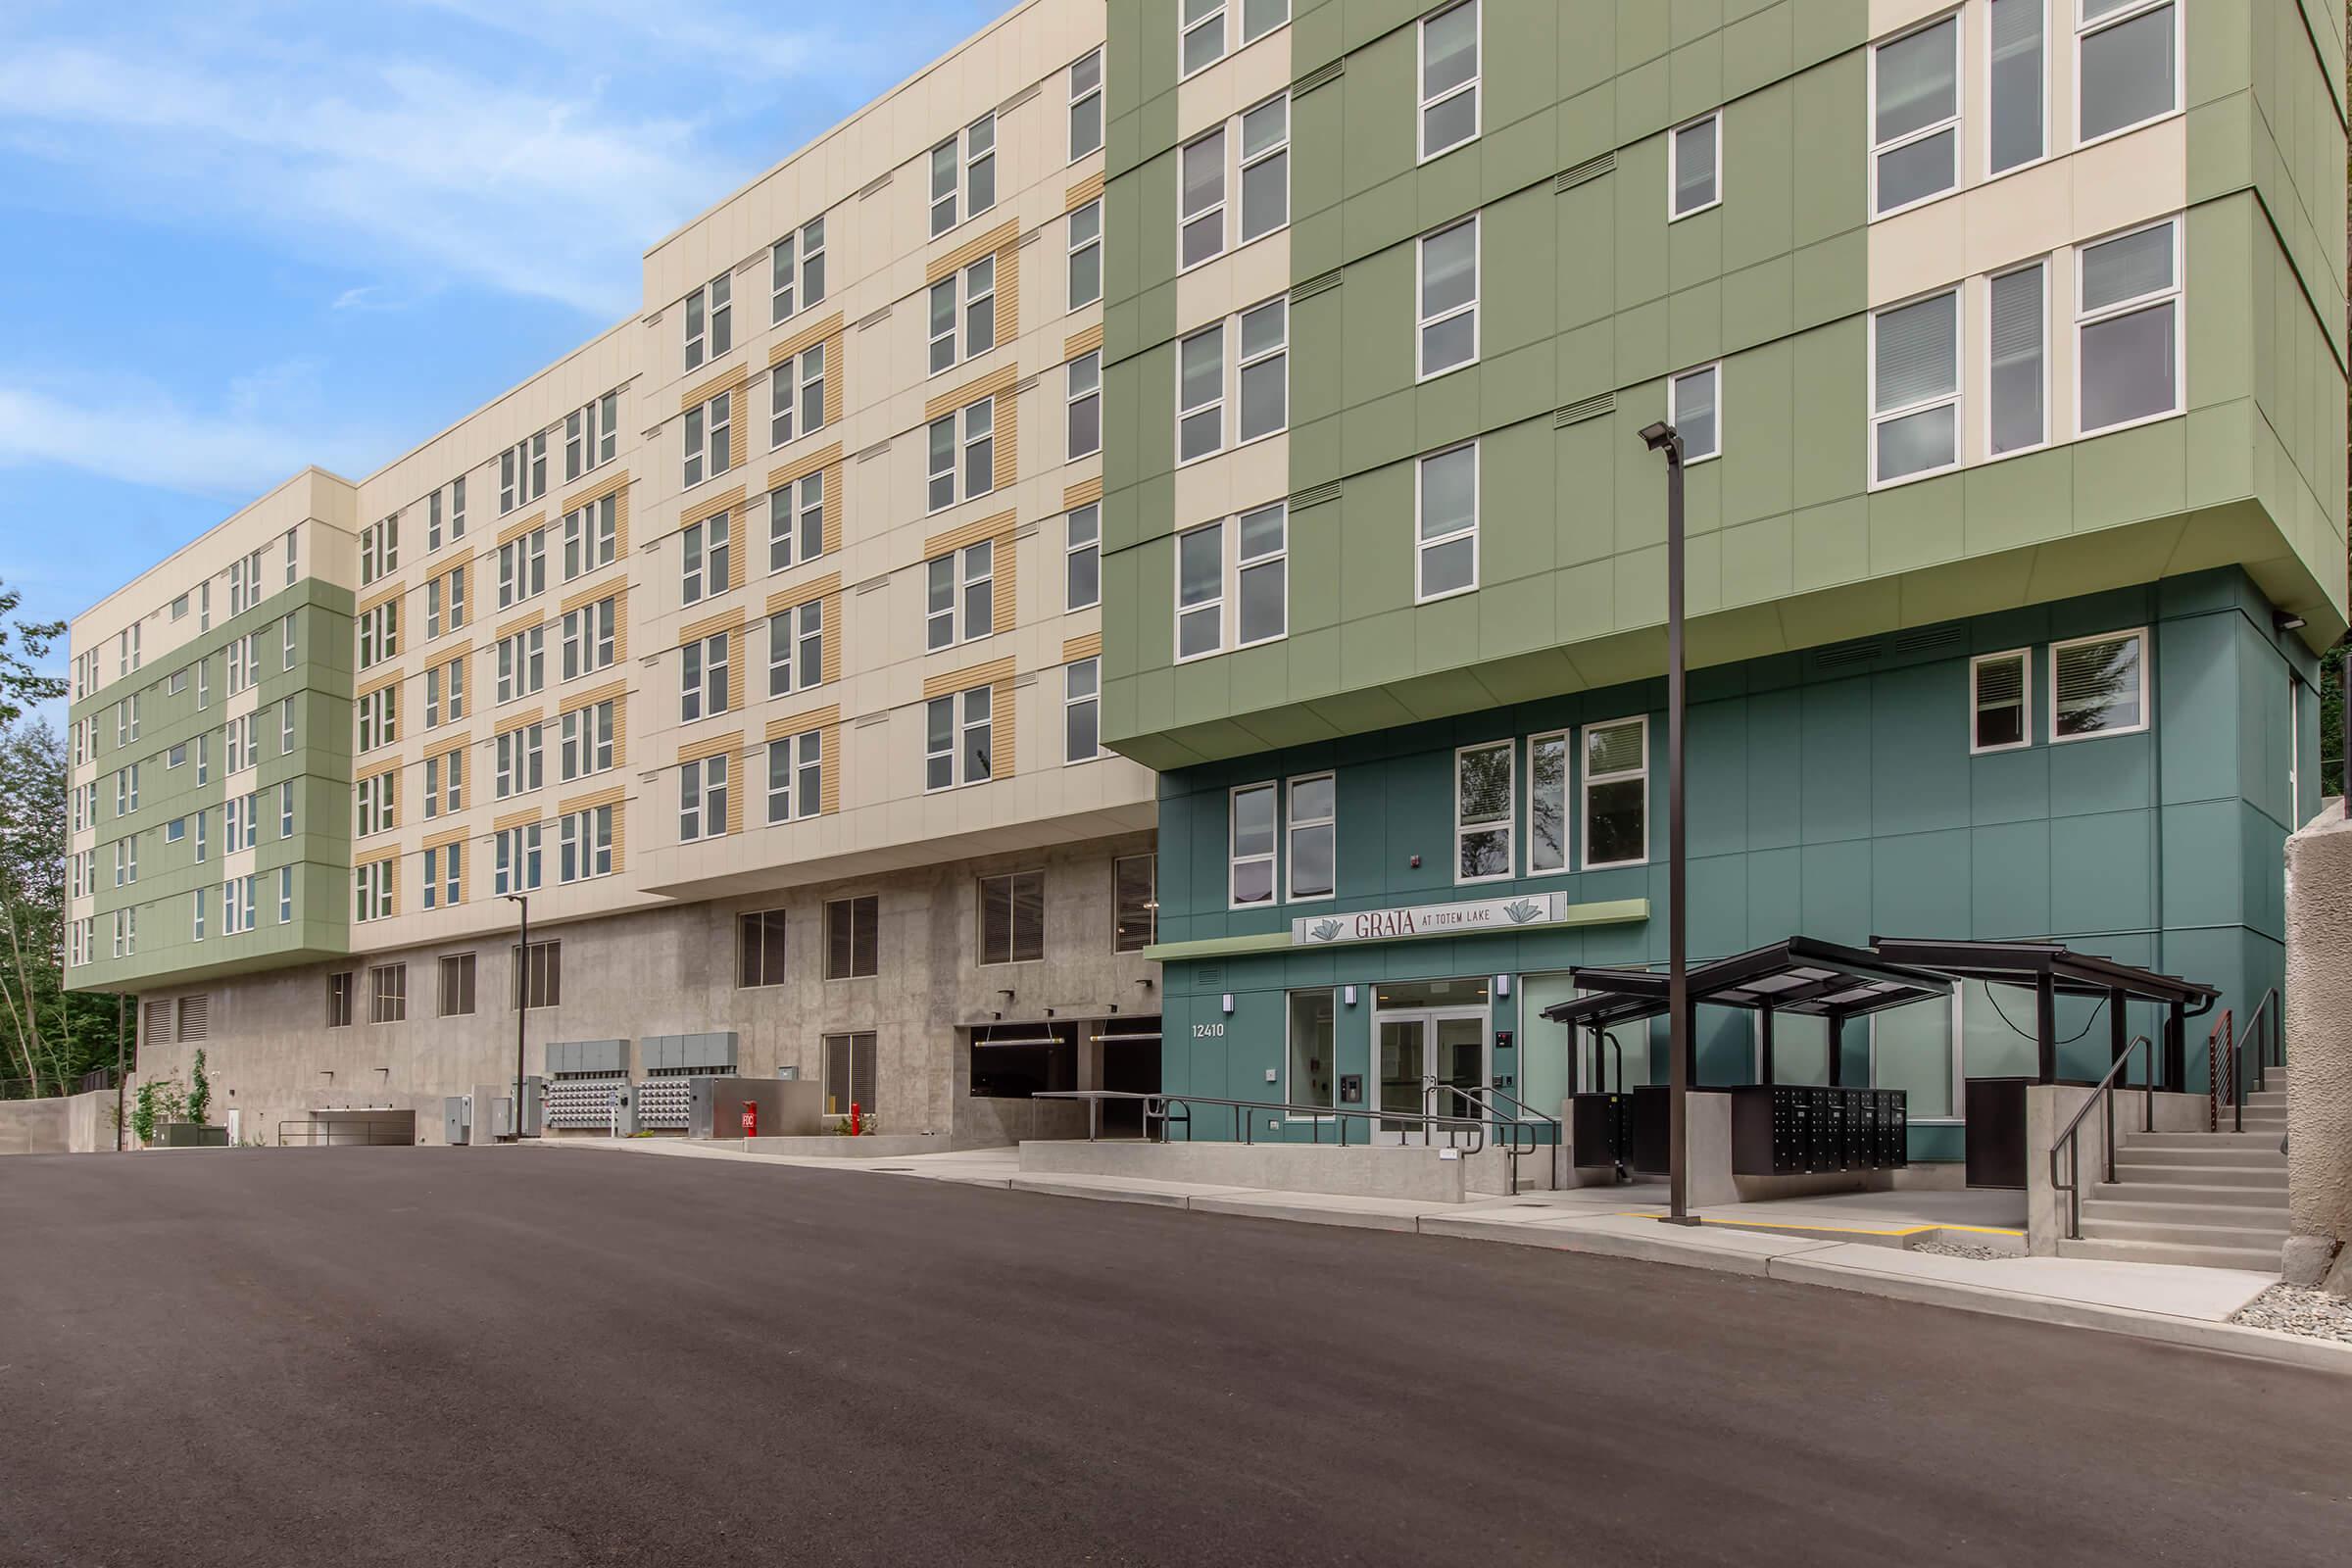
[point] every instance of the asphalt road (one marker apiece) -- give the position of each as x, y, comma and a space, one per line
442, 1356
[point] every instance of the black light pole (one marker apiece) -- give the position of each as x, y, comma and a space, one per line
523, 1004
1662, 437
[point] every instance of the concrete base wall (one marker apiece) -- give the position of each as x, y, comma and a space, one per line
1378, 1170
63, 1124
2319, 1032
2048, 1108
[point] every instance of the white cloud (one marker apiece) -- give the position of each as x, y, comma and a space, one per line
142, 437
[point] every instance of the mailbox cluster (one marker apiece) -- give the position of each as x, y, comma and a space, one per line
583, 1075
1792, 1129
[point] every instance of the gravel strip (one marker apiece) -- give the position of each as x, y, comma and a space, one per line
2295, 1310
1961, 1249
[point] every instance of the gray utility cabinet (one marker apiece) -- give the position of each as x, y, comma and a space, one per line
716, 1101
456, 1120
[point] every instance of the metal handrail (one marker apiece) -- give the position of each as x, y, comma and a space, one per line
1523, 1126
2102, 1095
2266, 1014
2221, 1052
1244, 1130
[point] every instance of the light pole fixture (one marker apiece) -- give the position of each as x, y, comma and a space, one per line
523, 1003
1663, 437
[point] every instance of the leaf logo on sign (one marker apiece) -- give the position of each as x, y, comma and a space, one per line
1521, 911
1324, 930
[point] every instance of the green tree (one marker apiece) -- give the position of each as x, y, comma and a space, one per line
23, 644
48, 1038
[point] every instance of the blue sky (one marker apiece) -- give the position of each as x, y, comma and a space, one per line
249, 235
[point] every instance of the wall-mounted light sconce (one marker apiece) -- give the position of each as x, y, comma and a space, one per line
1348, 994
1502, 984
1227, 1001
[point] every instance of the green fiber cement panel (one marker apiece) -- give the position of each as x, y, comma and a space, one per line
1832, 794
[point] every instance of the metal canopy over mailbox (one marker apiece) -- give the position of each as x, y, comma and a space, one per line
1799, 975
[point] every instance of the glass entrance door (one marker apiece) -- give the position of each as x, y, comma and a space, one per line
1419, 1051
1403, 1069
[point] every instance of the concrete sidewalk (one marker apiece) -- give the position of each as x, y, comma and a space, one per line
2179, 1305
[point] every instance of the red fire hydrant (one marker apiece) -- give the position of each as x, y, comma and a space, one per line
855, 1119
751, 1119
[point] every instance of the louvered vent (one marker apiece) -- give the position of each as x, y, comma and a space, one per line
1321, 75
1592, 408
1589, 169
1315, 496
1322, 283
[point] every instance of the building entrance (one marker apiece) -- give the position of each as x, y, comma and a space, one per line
1422, 1054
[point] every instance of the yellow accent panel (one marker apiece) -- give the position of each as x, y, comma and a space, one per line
828, 771
800, 723
610, 485
1009, 294
379, 684
784, 598
710, 746
1078, 195
1073, 649
1005, 593
1009, 440
709, 507
735, 667
995, 671
520, 624
620, 838
377, 601
971, 533
620, 628
451, 653
1084, 493
712, 625
833, 507
610, 587
801, 467
620, 527
512, 723
836, 378
514, 819
589, 802
989, 385
999, 238
727, 381
1085, 342
601, 694
442, 840
516, 530
735, 796
832, 662
809, 337
1004, 737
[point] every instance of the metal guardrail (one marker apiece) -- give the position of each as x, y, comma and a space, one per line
1522, 1128
1161, 1107
2062, 1172
2224, 1061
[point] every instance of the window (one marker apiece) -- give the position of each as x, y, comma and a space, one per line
1450, 50
2015, 86
1915, 396
2016, 377
591, 536
1313, 846
1915, 113
1086, 105
1261, 16
1482, 811
1200, 394
1254, 575
1012, 917
457, 985
1265, 168
371, 888
703, 558
1082, 390
1694, 408
584, 741
179, 608
388, 992
1265, 373
339, 999
538, 975
796, 777
853, 937
445, 693
2128, 329
584, 845
759, 948
2125, 64
791, 543
1082, 558
432, 522
285, 801
979, 446
960, 331
590, 435
1081, 719
1616, 793
127, 860
703, 689
1202, 31
379, 633
796, 649
589, 636
443, 875
967, 579
456, 517
285, 894
522, 473
1447, 494
204, 681
523, 568
2002, 719
809, 382
1201, 214
1135, 903
979, 171
1085, 253
521, 663
709, 321
1250, 879
379, 552
1312, 1044
2098, 686
1548, 802
1448, 293
375, 807
520, 755
1695, 179
514, 859
797, 283
956, 747
849, 1072
708, 429
703, 799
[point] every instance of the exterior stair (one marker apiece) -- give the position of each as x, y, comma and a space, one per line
2214, 1199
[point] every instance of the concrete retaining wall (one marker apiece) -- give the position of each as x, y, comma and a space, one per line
2318, 1035
65, 1124
1414, 1174
2048, 1108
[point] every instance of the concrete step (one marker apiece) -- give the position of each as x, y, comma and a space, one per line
2271, 1195
2205, 1149
2271, 1177
2224, 1139
2259, 1259
2136, 1230
2157, 1210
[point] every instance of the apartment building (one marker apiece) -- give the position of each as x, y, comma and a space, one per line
756, 644
2006, 343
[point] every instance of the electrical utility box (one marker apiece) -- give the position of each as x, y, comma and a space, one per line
455, 1119
787, 1108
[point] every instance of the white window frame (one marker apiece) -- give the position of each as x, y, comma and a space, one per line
2050, 690
961, 726
1293, 826
965, 154
1956, 124
515, 865
705, 676
1476, 86
584, 845
1218, 16
1587, 779
2173, 298
1219, 209
706, 551
1510, 827
963, 440
709, 321
800, 668
1073, 394
1074, 247
591, 439
1242, 361
523, 568
591, 538
972, 566
966, 288
1422, 323
1072, 699
1421, 545
2049, 276
1957, 397
789, 802
1072, 548
1214, 408
1235, 859
591, 639
798, 500
584, 746
709, 435
521, 663
522, 473
2086, 28
796, 397
1673, 167
2025, 699
1246, 161
520, 760
1674, 388
1565, 739
1224, 595
1081, 94
703, 798
796, 272
2045, 104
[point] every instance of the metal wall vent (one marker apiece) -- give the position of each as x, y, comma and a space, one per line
1592, 408
1315, 495
1320, 284
1847, 653
1320, 76
876, 188
1928, 640
1590, 168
